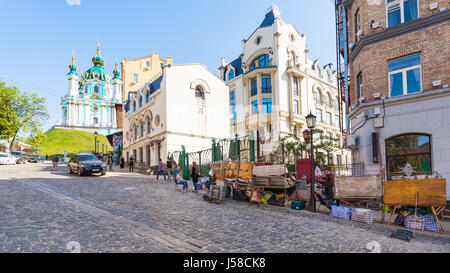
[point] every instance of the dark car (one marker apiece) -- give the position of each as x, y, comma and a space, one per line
85, 164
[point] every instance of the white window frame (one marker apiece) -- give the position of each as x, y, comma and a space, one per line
404, 78
135, 78
321, 115
402, 13
326, 118
358, 25
360, 85
296, 107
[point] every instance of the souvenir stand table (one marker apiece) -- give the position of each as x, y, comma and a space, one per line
270, 178
416, 192
359, 191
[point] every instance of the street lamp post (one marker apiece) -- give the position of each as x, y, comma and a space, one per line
95, 143
311, 122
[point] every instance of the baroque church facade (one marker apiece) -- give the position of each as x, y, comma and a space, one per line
94, 99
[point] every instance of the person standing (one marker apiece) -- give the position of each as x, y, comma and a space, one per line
195, 174
169, 169
131, 164
122, 163
55, 160
110, 162
161, 169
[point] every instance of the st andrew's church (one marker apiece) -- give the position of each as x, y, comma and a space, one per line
93, 99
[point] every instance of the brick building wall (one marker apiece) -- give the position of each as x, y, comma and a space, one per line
433, 43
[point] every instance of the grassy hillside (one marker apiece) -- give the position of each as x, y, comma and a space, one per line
60, 140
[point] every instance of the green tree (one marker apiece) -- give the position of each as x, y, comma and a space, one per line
37, 137
20, 112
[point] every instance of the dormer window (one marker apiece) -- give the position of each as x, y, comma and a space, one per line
231, 75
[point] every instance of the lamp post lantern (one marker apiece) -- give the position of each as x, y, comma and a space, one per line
311, 123
95, 143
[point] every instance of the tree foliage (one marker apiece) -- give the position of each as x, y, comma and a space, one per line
21, 113
293, 147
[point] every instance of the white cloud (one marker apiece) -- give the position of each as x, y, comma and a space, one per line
73, 2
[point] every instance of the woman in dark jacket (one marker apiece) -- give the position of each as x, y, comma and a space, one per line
122, 163
195, 174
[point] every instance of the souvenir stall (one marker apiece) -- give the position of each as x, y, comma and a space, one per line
214, 187
417, 191
269, 185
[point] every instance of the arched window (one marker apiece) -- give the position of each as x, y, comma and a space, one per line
408, 154
263, 61
293, 58
319, 97
141, 125
149, 125
328, 100
96, 89
232, 75
199, 93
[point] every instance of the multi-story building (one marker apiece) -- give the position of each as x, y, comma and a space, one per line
274, 85
94, 99
181, 105
397, 54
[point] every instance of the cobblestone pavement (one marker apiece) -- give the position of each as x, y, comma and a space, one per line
43, 211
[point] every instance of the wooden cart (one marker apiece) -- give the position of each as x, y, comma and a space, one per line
426, 192
359, 190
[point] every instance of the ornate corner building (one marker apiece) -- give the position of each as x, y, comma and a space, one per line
94, 99
274, 86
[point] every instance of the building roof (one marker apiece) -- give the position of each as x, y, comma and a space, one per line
156, 85
269, 19
237, 65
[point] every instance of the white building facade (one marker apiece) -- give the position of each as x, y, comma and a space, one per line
91, 99
274, 86
184, 105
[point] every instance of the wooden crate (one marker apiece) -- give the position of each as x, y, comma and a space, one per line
431, 192
277, 181
358, 187
260, 181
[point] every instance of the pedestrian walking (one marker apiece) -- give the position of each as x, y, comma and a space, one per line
122, 163
195, 175
110, 162
131, 164
55, 160
161, 169
169, 169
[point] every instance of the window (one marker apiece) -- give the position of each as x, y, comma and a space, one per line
295, 86
330, 159
357, 25
142, 129
85, 90
296, 110
258, 40
267, 105
148, 64
149, 126
405, 76
408, 154
328, 118
319, 115
339, 160
140, 101
135, 78
233, 104
318, 97
96, 89
266, 84
95, 121
147, 97
328, 100
359, 82
254, 87
336, 105
254, 107
263, 62
199, 93
232, 75
337, 121
293, 58
401, 11
135, 132
162, 66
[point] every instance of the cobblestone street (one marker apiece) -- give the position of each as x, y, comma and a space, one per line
42, 211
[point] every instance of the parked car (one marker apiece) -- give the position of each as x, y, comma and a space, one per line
33, 159
84, 164
20, 159
7, 159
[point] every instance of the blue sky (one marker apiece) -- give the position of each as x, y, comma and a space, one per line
37, 37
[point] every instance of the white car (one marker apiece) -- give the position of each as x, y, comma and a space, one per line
7, 159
